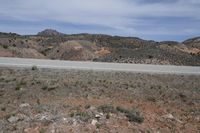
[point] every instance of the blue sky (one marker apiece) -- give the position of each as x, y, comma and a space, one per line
148, 19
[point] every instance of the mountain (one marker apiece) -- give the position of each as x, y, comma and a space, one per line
49, 32
193, 42
51, 44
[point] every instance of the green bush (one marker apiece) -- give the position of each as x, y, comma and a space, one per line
122, 110
5, 46
133, 115
107, 109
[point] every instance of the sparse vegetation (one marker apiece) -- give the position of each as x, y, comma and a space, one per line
98, 125
3, 109
18, 87
78, 104
101, 48
42, 130
23, 82
122, 110
83, 116
51, 88
5, 46
108, 116
132, 115
44, 87
34, 68
107, 109
87, 106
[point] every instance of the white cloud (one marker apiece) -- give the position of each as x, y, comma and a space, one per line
121, 15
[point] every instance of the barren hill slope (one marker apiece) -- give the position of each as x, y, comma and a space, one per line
51, 44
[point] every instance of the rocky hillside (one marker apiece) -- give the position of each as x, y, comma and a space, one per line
49, 32
51, 44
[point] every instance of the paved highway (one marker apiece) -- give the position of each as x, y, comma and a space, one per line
57, 64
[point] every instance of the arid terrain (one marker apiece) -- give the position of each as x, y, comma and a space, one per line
50, 44
34, 100
42, 100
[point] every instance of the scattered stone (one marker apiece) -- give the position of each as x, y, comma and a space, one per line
23, 117
92, 108
98, 116
75, 122
64, 119
171, 117
45, 119
94, 122
24, 105
197, 119
43, 116
168, 116
13, 119
101, 114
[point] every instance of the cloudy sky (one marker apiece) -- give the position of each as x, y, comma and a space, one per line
147, 19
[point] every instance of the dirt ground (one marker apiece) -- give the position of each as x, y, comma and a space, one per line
71, 101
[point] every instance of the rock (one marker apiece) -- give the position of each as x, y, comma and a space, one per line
23, 117
94, 122
24, 105
101, 114
64, 119
98, 116
13, 119
197, 119
168, 116
74, 122
43, 117
92, 108
171, 117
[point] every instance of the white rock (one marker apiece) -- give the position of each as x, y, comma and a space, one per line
13, 119
168, 116
92, 108
171, 117
24, 105
64, 119
43, 116
101, 114
94, 122
97, 116
75, 122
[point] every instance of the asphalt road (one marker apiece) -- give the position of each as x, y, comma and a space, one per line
57, 64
